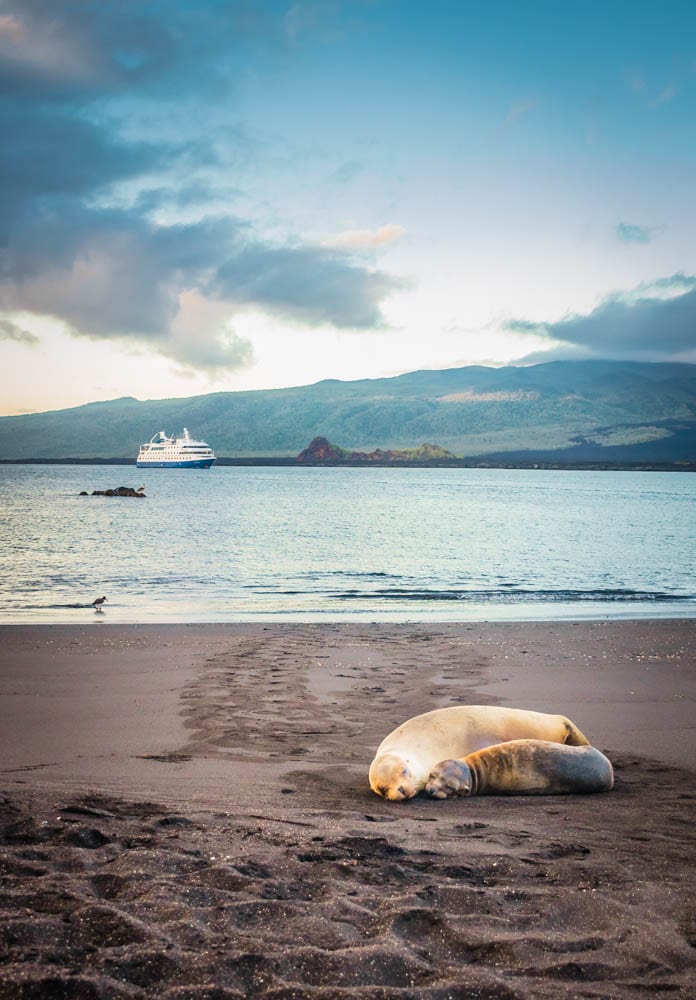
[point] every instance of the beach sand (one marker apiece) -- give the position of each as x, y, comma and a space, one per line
185, 813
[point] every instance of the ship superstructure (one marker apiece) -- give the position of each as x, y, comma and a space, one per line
163, 452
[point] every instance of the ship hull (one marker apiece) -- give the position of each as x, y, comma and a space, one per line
201, 463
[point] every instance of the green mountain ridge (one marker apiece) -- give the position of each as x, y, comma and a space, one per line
581, 409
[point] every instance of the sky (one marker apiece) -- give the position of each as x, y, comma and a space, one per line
209, 195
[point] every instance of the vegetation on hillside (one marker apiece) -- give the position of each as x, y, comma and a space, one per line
634, 410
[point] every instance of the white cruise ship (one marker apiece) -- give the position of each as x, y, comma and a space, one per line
163, 452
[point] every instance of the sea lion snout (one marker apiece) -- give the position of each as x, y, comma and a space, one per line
402, 787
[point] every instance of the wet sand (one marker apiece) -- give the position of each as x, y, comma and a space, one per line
185, 814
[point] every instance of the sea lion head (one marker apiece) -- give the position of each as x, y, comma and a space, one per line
392, 777
449, 778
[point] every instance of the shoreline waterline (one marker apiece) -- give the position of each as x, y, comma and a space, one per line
513, 615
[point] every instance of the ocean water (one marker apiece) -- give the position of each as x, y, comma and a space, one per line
240, 544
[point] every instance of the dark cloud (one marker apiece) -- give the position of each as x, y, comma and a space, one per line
10, 331
309, 284
109, 273
54, 166
637, 234
656, 321
75, 81
86, 49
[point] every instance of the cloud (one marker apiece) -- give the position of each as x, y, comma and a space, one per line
225, 350
111, 275
31, 44
666, 95
311, 17
305, 283
10, 331
635, 81
655, 321
346, 172
200, 337
519, 109
358, 239
637, 234
57, 163
10, 29
78, 87
93, 49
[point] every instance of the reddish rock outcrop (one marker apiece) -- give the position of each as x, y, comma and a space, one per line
321, 451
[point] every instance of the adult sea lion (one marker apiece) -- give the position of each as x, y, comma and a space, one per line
523, 767
406, 757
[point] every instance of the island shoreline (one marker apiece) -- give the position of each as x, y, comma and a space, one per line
281, 461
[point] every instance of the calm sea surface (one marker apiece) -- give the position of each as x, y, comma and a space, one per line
235, 544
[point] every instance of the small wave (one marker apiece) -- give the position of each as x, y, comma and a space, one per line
54, 606
369, 574
508, 597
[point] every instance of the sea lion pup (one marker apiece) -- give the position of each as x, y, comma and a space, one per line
405, 758
523, 767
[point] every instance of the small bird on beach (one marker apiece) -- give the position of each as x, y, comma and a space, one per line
97, 603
